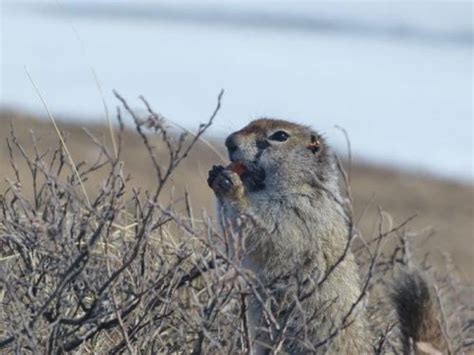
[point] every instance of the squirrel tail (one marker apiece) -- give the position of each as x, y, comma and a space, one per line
418, 315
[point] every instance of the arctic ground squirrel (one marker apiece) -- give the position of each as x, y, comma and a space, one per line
284, 176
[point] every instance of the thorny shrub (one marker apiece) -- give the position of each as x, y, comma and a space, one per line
121, 272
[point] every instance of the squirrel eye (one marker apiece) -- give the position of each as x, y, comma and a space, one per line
279, 136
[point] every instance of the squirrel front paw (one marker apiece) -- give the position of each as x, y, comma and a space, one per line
225, 182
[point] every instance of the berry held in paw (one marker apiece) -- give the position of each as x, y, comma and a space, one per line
238, 167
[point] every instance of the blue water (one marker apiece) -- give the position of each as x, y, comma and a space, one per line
396, 76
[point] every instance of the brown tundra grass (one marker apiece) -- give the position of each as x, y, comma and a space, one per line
118, 270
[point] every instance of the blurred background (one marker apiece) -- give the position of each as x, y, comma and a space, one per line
398, 76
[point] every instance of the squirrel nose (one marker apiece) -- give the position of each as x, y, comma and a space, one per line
231, 144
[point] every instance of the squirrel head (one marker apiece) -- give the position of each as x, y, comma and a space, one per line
279, 154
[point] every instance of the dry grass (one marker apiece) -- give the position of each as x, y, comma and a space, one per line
444, 207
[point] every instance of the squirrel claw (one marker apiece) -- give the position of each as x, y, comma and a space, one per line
213, 174
224, 182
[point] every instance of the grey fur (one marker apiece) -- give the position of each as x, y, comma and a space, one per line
299, 228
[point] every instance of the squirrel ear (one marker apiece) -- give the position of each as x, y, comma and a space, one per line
314, 144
